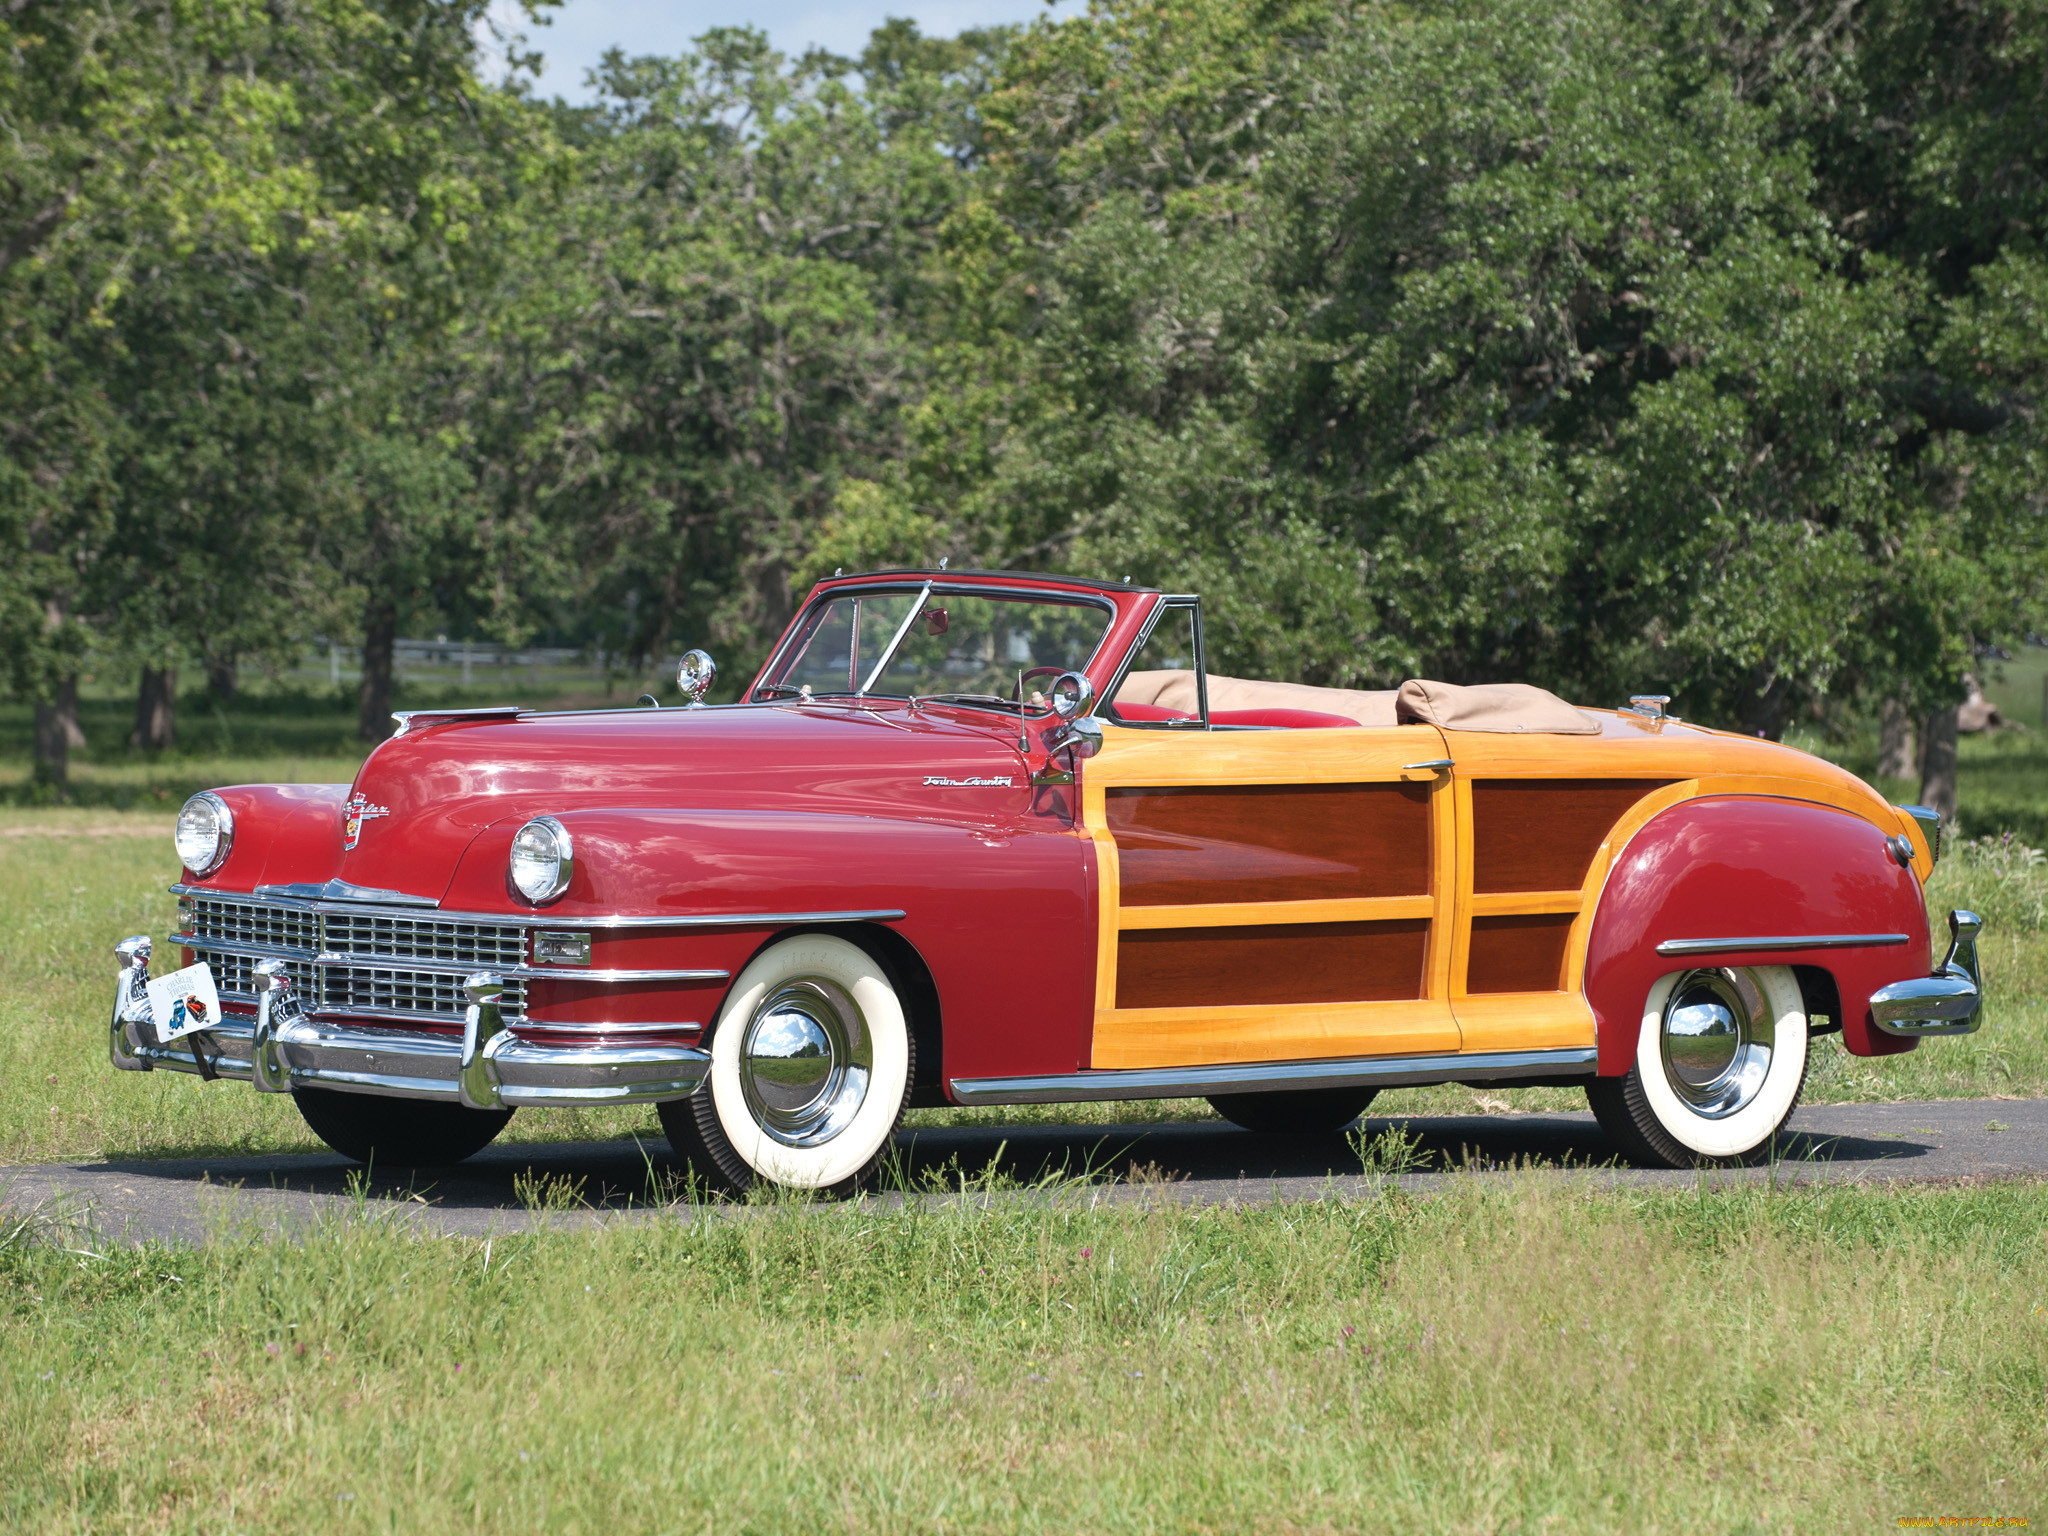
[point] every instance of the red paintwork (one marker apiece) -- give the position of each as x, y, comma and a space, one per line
993, 904
789, 807
1724, 867
294, 827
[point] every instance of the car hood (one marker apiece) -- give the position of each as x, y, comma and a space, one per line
426, 794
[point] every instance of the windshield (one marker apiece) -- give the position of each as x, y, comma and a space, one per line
959, 643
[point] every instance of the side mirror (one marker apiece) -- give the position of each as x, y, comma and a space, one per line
695, 677
1083, 736
1071, 694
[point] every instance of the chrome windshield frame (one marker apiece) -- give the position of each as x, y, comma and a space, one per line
889, 650
790, 646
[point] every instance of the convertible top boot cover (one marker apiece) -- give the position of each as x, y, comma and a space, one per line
1500, 707
1176, 691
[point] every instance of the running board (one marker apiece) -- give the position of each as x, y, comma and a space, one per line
1272, 1076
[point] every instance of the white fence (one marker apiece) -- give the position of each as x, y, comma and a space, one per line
477, 661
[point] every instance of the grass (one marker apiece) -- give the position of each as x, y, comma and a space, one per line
1521, 1358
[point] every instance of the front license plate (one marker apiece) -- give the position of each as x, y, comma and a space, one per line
184, 1002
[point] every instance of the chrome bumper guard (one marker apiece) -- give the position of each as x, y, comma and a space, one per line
1950, 1002
488, 1068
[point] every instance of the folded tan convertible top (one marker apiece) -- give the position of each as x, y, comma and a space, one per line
1499, 707
1502, 707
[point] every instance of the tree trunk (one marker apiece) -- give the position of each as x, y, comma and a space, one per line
221, 679
1896, 754
1938, 762
156, 709
56, 730
380, 642
1764, 710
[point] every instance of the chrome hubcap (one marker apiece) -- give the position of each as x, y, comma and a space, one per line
1717, 1039
805, 1061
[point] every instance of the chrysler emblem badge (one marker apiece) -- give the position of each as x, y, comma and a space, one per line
358, 810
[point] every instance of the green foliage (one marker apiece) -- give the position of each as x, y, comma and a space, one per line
1604, 345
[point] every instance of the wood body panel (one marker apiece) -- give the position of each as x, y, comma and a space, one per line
1191, 1037
1276, 963
1520, 953
1615, 784
1525, 1021
1270, 895
1234, 914
1186, 845
1542, 834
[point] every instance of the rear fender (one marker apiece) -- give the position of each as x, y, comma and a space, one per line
1735, 866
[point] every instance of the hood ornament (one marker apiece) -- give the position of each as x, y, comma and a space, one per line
355, 813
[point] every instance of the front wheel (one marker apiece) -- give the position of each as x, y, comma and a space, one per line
1720, 1063
811, 1065
398, 1133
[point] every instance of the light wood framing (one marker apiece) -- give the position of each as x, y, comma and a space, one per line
1446, 1017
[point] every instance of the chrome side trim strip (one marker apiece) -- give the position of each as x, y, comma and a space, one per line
1809, 941
608, 922
341, 890
464, 968
534, 1026
696, 920
1251, 1077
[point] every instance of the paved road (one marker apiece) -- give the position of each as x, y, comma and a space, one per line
194, 1199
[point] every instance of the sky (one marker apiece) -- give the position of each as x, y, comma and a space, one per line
583, 29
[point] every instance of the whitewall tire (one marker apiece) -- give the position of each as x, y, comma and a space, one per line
1720, 1063
811, 1065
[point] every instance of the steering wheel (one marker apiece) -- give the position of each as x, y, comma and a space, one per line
1031, 672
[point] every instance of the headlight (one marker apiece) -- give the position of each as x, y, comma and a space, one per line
206, 830
542, 859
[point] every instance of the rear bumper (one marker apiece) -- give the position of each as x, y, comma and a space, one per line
308, 1053
1950, 1002
1928, 1005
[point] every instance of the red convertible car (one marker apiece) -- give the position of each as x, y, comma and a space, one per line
1002, 838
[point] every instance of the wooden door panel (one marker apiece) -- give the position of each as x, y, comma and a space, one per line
1270, 896
1270, 842
1271, 963
1541, 834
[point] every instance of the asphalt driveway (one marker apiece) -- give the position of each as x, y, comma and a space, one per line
194, 1199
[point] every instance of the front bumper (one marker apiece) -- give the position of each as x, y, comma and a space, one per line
1950, 1002
490, 1067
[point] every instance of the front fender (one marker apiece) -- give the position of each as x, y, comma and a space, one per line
1735, 866
1002, 917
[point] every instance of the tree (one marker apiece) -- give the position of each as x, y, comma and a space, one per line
704, 345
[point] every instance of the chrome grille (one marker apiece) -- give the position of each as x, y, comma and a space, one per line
358, 982
376, 989
487, 946
234, 975
251, 922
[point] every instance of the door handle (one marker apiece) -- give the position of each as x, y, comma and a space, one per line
1433, 764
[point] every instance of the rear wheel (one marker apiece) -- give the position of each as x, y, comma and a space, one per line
398, 1133
1720, 1063
811, 1065
1293, 1111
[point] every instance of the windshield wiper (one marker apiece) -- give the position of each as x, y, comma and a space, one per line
773, 688
964, 698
